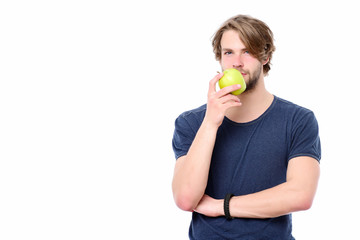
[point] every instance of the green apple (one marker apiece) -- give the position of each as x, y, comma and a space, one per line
231, 77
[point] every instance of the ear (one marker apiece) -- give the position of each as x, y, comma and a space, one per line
266, 61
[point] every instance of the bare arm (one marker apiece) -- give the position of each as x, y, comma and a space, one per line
191, 171
296, 194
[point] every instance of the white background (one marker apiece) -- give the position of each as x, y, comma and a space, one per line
89, 92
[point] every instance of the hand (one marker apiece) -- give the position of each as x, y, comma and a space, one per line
219, 102
210, 207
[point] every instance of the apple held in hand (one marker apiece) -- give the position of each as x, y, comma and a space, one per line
231, 77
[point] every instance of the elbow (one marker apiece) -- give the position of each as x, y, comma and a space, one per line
185, 197
185, 202
303, 202
306, 204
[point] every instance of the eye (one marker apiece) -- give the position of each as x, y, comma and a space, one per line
227, 53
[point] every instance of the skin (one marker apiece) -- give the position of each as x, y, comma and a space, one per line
191, 171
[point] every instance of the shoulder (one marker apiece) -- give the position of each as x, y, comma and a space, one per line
290, 106
186, 126
300, 120
303, 130
292, 110
196, 114
191, 118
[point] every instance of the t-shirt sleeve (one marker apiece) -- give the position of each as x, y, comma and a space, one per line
305, 140
183, 137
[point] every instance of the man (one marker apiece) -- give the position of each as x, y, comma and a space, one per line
245, 163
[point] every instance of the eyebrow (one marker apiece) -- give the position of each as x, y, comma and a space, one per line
226, 50
232, 50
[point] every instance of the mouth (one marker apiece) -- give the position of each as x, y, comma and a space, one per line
242, 73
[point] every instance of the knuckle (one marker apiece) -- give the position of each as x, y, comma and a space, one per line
236, 86
211, 100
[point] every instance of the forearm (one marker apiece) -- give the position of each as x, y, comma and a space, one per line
191, 172
273, 202
296, 194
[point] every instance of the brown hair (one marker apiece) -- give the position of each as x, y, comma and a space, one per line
255, 35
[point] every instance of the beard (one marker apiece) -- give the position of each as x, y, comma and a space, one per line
253, 79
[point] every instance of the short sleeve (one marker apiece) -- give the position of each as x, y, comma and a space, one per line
305, 140
183, 137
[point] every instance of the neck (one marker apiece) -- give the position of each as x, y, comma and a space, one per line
254, 104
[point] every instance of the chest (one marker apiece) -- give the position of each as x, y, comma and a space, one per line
249, 159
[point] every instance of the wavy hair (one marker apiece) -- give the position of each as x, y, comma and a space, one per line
255, 35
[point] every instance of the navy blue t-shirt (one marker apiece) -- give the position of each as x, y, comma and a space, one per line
248, 158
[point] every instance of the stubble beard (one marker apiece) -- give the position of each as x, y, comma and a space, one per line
253, 79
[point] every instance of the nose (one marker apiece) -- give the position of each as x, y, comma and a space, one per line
238, 62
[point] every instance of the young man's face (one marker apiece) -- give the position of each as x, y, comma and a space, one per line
235, 55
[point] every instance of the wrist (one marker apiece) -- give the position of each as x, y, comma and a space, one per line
210, 125
210, 207
220, 208
227, 212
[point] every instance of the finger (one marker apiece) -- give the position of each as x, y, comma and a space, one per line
227, 90
212, 83
230, 104
228, 98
